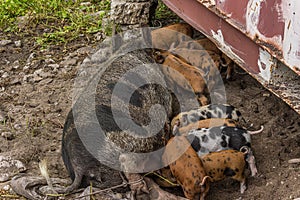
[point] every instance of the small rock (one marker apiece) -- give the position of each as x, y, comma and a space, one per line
46, 81
40, 73
54, 66
18, 43
118, 196
49, 61
17, 126
99, 36
31, 57
266, 94
5, 75
16, 64
294, 161
5, 42
26, 78
8, 135
6, 187
9, 168
85, 3
26, 66
33, 104
37, 78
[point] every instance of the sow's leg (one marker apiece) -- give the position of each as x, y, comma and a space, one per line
84, 169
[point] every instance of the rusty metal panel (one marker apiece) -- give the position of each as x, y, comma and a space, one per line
262, 36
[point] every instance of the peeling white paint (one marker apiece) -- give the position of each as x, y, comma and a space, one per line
291, 40
208, 3
265, 63
252, 16
252, 21
289, 13
223, 46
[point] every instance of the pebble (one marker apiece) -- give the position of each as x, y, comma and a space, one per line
18, 43
85, 3
27, 66
5, 42
40, 74
46, 81
27, 77
5, 75
31, 57
49, 61
37, 78
17, 126
54, 66
118, 196
10, 167
6, 187
99, 36
266, 94
16, 64
294, 161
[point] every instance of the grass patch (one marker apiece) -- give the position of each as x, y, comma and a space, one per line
54, 21
163, 13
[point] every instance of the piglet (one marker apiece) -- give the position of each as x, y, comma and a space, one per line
186, 167
226, 163
207, 123
206, 140
207, 112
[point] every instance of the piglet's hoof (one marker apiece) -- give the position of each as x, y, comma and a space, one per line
138, 187
140, 193
156, 193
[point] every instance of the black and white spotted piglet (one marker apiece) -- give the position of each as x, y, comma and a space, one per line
206, 112
206, 140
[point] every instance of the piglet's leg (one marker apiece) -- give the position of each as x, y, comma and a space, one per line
243, 186
139, 190
252, 164
156, 193
242, 179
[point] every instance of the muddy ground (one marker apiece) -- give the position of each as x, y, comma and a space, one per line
36, 95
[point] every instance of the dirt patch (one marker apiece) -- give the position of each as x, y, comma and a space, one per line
35, 95
279, 142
